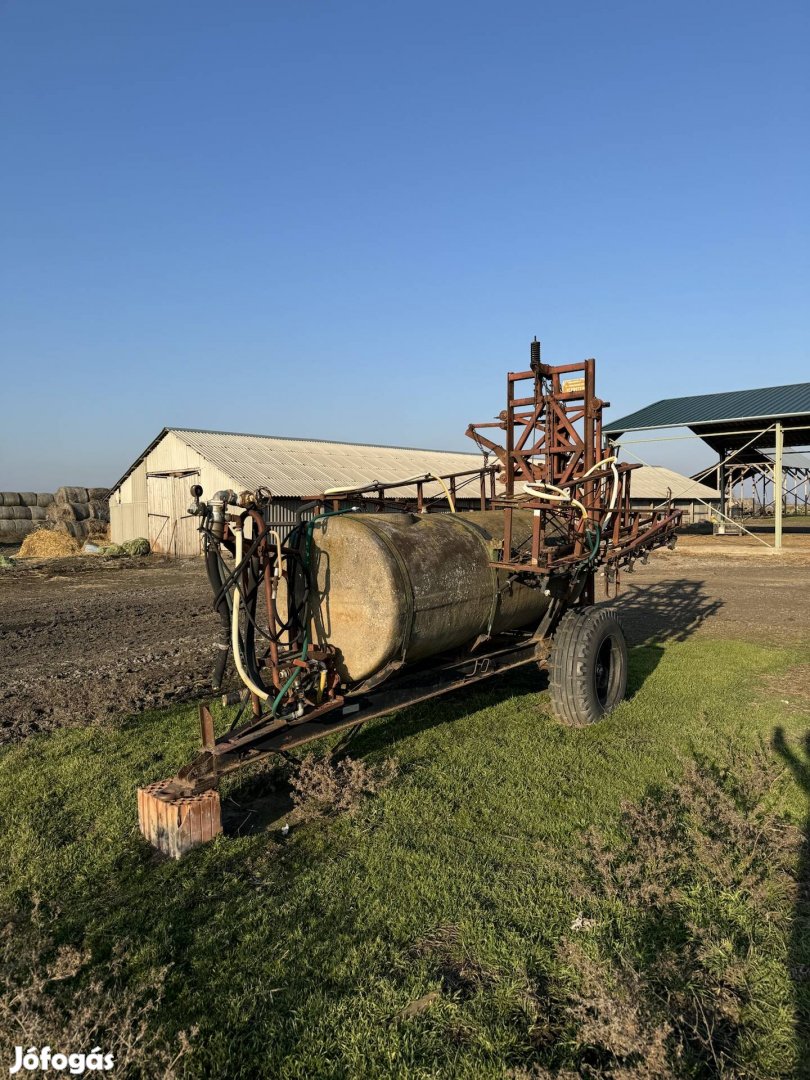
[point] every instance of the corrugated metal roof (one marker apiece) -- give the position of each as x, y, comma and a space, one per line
294, 468
768, 403
652, 481
791, 459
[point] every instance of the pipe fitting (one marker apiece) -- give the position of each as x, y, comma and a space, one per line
219, 501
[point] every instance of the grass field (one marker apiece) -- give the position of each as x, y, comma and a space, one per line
519, 899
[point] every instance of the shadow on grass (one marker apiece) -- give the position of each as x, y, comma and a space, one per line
257, 803
453, 706
643, 660
799, 765
262, 800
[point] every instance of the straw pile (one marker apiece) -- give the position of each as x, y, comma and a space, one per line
48, 544
21, 513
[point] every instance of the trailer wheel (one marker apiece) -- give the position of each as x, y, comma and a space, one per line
588, 668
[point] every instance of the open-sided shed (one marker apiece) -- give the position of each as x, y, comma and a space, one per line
741, 426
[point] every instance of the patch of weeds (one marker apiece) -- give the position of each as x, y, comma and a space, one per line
607, 1026
714, 827
692, 916
51, 995
321, 787
616, 1032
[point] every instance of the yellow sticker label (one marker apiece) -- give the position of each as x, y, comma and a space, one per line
573, 386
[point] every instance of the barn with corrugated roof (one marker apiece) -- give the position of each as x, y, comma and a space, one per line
153, 496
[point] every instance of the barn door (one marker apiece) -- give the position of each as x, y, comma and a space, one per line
172, 531
187, 540
159, 503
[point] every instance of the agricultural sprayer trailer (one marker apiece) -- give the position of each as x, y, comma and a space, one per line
383, 596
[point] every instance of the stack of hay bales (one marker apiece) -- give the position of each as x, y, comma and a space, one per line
82, 512
21, 513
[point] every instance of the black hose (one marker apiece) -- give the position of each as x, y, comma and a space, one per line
247, 643
249, 598
223, 578
218, 575
221, 606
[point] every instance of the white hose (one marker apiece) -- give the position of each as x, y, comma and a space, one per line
450, 501
277, 538
552, 493
615, 494
237, 658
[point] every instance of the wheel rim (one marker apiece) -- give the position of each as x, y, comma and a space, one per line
603, 672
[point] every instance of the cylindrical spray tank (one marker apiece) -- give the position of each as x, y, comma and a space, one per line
389, 587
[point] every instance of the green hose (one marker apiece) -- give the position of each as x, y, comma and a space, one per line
305, 646
594, 539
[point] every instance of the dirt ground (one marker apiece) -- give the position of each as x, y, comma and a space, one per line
718, 587
85, 640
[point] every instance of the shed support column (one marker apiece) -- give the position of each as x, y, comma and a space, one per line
777, 490
722, 484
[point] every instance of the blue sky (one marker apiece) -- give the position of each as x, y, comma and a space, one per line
348, 219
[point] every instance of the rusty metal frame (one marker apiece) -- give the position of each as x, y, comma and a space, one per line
254, 741
552, 427
380, 496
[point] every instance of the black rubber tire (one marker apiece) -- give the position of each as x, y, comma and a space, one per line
588, 667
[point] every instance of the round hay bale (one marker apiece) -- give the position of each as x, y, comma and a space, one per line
59, 512
37, 513
98, 494
28, 498
15, 530
99, 509
71, 495
10, 498
6, 513
81, 510
46, 544
44, 498
21, 513
94, 529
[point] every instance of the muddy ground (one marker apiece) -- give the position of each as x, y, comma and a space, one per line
84, 640
87, 640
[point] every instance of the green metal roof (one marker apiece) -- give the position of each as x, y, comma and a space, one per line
770, 403
737, 420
